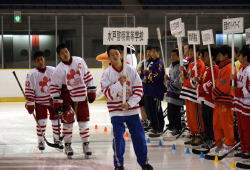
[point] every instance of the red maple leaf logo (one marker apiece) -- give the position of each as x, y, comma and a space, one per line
44, 84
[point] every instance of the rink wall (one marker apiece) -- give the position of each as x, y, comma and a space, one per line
9, 89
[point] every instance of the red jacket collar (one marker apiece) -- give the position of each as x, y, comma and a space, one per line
117, 70
69, 62
41, 70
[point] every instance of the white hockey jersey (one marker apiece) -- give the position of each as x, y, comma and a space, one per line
242, 94
37, 85
112, 89
75, 76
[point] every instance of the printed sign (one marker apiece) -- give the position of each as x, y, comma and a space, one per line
194, 37
175, 26
125, 35
233, 25
207, 37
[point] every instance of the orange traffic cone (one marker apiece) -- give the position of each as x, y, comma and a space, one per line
96, 127
105, 129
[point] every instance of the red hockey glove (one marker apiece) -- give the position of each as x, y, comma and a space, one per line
30, 106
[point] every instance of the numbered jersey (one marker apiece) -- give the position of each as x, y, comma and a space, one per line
113, 90
37, 85
242, 92
206, 86
75, 76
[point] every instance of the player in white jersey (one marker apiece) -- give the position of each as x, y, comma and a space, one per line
38, 98
128, 112
242, 108
71, 87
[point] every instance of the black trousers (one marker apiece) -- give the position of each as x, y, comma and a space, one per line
207, 113
155, 114
174, 116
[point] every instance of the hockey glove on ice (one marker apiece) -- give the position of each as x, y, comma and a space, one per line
30, 106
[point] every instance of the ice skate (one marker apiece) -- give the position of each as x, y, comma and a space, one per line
147, 167
41, 146
68, 150
60, 145
86, 150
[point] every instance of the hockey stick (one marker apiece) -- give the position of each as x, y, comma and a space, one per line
211, 157
159, 39
47, 142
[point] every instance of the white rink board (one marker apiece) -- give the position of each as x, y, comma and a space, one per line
10, 88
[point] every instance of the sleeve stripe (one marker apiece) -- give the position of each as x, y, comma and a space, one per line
87, 77
110, 94
138, 94
88, 80
86, 74
137, 90
137, 87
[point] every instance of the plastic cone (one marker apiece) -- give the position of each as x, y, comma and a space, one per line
202, 155
148, 141
187, 151
173, 147
216, 160
233, 166
160, 143
105, 129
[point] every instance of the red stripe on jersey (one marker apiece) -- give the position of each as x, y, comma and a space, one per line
29, 96
110, 94
137, 87
53, 92
31, 93
43, 96
133, 108
77, 88
42, 100
67, 132
118, 102
76, 92
29, 89
88, 80
82, 95
86, 73
52, 85
83, 133
86, 136
138, 94
105, 91
85, 78
137, 90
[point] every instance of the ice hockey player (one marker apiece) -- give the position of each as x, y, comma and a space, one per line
189, 93
242, 107
223, 119
173, 84
72, 87
205, 95
38, 99
127, 113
